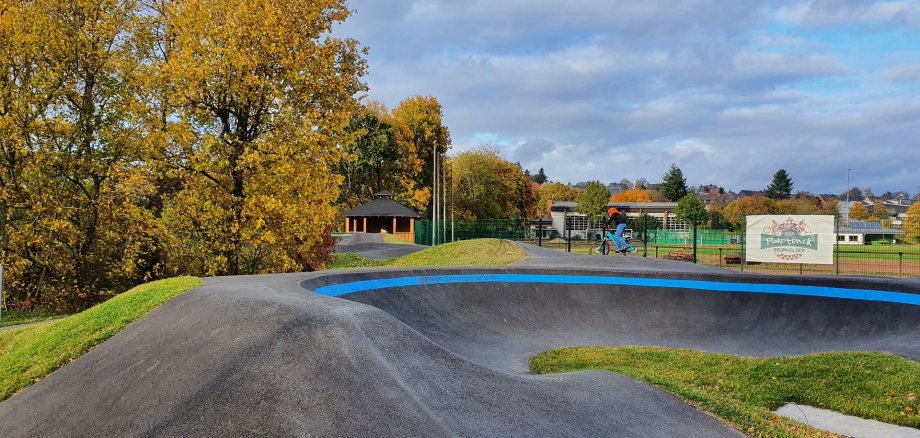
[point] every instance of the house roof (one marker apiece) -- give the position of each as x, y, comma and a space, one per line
382, 207
867, 227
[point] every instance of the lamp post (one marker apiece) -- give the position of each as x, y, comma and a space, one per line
848, 198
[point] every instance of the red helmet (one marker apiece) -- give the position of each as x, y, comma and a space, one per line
612, 210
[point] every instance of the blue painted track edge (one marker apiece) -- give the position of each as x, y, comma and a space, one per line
711, 286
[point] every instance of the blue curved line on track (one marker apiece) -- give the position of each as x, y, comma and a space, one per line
710, 286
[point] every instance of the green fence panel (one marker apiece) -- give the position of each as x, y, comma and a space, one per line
512, 229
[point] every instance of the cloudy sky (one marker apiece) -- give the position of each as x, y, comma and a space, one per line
729, 90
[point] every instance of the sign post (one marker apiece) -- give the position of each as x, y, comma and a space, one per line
791, 239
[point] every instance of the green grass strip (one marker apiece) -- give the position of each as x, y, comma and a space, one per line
745, 391
476, 252
29, 354
18, 317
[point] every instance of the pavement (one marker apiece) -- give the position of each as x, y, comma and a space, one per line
443, 352
371, 246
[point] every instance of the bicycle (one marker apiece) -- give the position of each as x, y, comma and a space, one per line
603, 246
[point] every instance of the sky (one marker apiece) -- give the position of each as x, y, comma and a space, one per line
729, 90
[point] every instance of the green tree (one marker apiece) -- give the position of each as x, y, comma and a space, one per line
540, 177
593, 200
859, 212
644, 223
673, 184
691, 209
371, 163
781, 187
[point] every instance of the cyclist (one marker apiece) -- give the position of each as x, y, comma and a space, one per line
614, 215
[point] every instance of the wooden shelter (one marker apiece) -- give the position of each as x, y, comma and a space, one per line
383, 214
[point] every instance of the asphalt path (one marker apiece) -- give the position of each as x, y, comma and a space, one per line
371, 246
445, 354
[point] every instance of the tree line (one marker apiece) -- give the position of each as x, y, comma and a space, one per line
143, 139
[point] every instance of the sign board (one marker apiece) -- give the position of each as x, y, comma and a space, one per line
791, 239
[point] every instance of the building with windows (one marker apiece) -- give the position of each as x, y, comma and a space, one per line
866, 233
564, 215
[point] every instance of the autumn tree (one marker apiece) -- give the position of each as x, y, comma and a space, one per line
859, 212
780, 187
912, 223
263, 96
73, 229
554, 191
673, 184
593, 200
486, 186
420, 135
636, 195
736, 211
880, 213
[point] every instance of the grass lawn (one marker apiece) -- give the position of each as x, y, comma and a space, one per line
29, 354
745, 391
391, 239
476, 252
17, 317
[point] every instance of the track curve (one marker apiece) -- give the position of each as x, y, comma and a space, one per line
442, 352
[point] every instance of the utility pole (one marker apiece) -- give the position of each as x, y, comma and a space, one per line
434, 196
452, 236
848, 198
443, 200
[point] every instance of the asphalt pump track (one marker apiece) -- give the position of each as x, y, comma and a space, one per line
443, 352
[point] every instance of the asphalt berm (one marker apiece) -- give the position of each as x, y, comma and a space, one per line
443, 352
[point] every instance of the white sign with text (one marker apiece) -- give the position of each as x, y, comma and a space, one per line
791, 239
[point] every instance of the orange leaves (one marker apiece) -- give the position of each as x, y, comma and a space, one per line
633, 195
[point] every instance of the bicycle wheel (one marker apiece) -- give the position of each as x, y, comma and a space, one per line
639, 244
600, 247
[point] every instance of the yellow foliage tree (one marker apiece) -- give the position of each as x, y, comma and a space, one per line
736, 210
555, 191
74, 231
486, 186
420, 135
859, 212
912, 223
635, 195
262, 98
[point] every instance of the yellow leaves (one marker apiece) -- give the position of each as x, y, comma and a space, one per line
633, 195
912, 224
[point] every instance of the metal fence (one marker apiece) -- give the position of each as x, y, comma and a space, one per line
511, 229
720, 248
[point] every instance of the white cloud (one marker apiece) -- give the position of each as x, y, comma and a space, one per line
606, 90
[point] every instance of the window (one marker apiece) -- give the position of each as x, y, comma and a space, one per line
576, 223
841, 238
854, 238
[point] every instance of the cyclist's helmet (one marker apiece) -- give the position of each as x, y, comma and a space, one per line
612, 211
